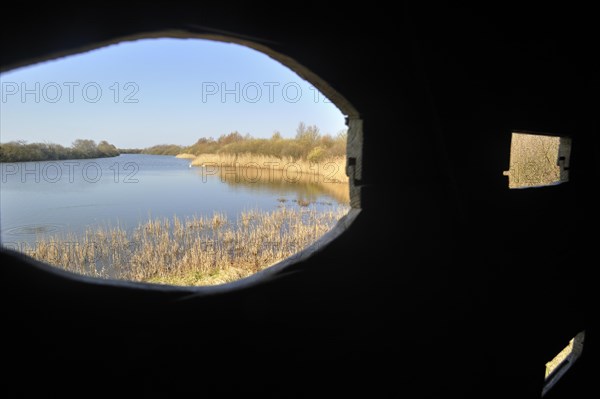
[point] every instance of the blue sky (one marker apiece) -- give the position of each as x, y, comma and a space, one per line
158, 91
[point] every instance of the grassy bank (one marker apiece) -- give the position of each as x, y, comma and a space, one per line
194, 251
185, 156
332, 170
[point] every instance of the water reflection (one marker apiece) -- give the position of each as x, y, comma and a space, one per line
133, 188
304, 188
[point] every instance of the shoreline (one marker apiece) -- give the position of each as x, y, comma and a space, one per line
185, 155
332, 170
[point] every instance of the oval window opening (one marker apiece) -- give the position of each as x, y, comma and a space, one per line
171, 161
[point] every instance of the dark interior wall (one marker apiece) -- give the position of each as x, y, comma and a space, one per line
447, 284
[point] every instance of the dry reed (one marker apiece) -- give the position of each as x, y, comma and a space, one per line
332, 170
185, 156
198, 250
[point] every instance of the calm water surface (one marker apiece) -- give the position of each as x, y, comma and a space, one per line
38, 199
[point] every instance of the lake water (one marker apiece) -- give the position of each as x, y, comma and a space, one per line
55, 197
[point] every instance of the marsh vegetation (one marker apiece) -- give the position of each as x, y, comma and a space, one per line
199, 250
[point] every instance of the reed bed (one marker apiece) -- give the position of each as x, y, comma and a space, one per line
185, 156
332, 170
199, 250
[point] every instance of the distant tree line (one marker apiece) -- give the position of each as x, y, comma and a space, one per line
307, 144
163, 149
131, 150
20, 151
160, 149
